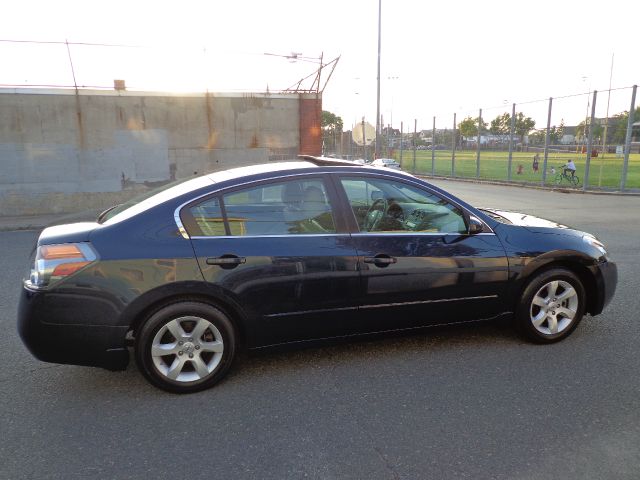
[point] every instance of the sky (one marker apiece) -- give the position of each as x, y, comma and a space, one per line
437, 58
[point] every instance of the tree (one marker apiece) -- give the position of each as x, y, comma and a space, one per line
555, 135
582, 130
469, 127
523, 125
331, 122
331, 130
558, 133
618, 129
537, 137
501, 126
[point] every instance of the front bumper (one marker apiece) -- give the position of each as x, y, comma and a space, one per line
54, 328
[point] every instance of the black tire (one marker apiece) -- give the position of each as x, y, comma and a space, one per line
575, 180
200, 362
558, 179
530, 313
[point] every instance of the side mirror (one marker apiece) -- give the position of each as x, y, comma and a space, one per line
475, 225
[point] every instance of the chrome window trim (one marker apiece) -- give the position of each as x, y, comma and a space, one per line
409, 179
425, 234
282, 235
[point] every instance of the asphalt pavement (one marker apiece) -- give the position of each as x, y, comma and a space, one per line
466, 402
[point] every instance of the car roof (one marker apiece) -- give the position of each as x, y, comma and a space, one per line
307, 163
238, 172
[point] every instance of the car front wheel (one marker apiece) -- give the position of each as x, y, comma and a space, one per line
551, 306
185, 347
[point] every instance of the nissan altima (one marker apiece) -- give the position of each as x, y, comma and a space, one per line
293, 252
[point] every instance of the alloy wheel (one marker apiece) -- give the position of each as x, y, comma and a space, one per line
187, 349
554, 307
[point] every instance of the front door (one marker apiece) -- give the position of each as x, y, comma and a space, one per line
418, 264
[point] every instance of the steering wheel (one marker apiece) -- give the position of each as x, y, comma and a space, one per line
375, 214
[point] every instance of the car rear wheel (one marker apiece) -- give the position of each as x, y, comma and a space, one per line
551, 306
185, 347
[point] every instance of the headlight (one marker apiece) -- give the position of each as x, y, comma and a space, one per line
594, 242
54, 262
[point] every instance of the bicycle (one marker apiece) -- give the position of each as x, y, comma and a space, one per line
571, 179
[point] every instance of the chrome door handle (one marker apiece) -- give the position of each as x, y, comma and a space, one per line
226, 260
381, 260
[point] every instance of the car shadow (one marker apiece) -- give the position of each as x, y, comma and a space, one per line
306, 358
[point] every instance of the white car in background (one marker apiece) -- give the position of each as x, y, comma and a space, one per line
386, 162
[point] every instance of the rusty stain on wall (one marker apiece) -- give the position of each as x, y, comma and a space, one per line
81, 144
211, 137
134, 124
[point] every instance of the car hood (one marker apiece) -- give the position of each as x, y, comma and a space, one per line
530, 222
72, 232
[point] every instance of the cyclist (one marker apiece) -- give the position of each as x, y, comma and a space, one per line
570, 167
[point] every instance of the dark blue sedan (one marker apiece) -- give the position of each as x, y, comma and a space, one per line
292, 252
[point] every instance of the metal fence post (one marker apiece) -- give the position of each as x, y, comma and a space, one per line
511, 130
546, 143
433, 150
401, 140
453, 148
627, 142
587, 166
478, 146
388, 140
415, 136
364, 142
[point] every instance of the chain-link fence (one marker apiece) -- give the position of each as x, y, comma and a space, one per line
602, 151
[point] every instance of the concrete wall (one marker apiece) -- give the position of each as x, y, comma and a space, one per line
61, 152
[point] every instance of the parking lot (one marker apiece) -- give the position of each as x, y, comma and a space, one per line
464, 402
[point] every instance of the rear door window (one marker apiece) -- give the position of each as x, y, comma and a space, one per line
292, 207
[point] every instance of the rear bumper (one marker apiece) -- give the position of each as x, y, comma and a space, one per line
606, 282
54, 334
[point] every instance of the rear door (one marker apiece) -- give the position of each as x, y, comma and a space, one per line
280, 249
418, 264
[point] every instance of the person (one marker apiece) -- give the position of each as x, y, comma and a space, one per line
570, 167
536, 162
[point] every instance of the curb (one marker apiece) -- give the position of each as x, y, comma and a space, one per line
505, 183
17, 228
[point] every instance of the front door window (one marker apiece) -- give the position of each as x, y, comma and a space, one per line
381, 205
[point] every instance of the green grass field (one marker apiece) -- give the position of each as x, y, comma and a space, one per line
605, 172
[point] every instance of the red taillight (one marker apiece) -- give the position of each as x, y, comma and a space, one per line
55, 262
